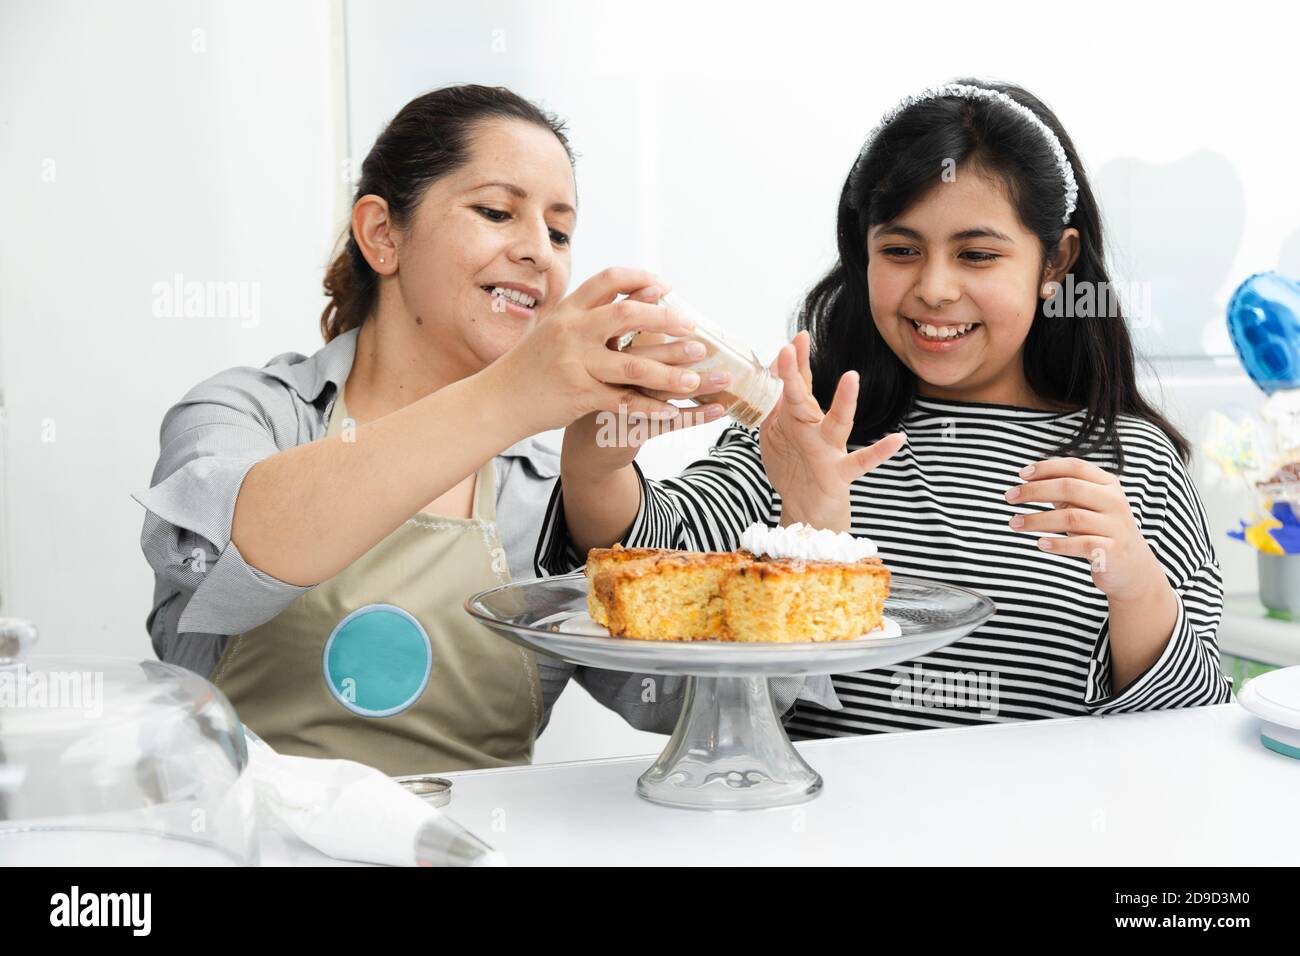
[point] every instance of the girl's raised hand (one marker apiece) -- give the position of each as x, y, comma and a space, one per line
805, 450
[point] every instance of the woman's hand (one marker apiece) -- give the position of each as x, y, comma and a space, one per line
600, 489
1092, 509
805, 450
605, 441
565, 369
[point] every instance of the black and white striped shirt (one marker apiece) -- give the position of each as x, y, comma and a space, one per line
936, 510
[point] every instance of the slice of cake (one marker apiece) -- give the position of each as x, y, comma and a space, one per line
788, 600
805, 584
657, 595
785, 585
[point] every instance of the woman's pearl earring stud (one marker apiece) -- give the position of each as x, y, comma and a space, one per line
381, 258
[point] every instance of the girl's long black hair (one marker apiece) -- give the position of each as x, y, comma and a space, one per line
1075, 360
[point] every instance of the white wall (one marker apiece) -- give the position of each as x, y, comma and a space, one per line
715, 137
140, 141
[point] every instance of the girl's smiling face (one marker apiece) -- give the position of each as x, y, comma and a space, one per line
960, 258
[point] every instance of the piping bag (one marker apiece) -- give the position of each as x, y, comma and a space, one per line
350, 811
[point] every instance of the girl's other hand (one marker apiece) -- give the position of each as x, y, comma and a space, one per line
805, 451
1092, 510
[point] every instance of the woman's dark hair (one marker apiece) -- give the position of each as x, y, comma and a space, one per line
428, 139
1076, 361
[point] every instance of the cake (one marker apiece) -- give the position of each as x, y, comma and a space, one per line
784, 585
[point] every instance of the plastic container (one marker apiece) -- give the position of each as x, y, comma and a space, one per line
1275, 699
1279, 585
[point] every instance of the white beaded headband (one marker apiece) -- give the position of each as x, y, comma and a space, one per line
968, 92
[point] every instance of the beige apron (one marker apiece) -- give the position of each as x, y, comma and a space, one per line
381, 663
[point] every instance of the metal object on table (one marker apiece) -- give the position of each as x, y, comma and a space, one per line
442, 841
435, 791
729, 750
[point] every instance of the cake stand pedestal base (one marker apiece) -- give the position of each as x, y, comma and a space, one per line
729, 751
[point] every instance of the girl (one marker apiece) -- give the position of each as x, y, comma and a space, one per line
315, 525
1018, 457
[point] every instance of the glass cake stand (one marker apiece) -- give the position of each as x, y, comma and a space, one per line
729, 750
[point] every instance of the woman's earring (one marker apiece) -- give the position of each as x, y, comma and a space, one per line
381, 258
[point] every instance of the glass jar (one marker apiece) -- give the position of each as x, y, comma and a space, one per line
754, 389
109, 761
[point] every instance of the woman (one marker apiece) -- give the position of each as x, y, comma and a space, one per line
316, 525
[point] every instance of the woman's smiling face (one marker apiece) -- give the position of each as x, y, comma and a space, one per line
503, 221
958, 258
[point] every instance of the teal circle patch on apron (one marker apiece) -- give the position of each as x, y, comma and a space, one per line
377, 661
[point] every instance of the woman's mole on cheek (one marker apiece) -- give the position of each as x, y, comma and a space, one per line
419, 321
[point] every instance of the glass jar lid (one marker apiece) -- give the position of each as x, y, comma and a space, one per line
111, 760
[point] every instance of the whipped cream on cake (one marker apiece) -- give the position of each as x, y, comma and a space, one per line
805, 542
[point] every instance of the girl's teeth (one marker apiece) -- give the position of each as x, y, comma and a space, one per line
514, 295
944, 332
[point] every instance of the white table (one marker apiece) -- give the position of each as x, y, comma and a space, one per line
1174, 787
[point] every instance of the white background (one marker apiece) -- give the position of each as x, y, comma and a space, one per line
143, 140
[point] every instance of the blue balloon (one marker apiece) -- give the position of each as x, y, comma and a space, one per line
1264, 322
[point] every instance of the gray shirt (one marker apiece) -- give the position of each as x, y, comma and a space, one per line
204, 590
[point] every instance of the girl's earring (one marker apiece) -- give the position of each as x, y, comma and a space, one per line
381, 258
